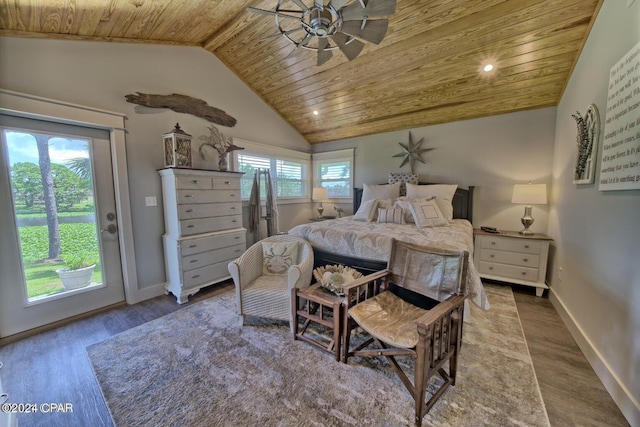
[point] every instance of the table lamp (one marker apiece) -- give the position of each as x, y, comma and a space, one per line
320, 194
529, 194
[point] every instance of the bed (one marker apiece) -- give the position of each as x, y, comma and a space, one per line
365, 245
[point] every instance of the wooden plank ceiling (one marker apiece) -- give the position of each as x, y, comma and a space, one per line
427, 70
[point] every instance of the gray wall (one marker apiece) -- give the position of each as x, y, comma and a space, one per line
597, 234
491, 153
101, 74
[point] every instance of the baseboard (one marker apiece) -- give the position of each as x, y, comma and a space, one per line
628, 405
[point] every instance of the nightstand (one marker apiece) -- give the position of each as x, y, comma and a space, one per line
512, 257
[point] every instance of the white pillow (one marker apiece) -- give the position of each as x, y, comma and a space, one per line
277, 257
426, 213
366, 211
380, 192
442, 192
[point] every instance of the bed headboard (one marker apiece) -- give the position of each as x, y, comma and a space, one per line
462, 201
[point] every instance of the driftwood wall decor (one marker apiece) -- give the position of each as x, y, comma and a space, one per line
183, 104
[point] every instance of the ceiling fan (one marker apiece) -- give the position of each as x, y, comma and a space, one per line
324, 28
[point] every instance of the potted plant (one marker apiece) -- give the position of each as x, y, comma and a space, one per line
77, 271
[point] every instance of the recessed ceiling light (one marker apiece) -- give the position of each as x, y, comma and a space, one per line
488, 67
315, 112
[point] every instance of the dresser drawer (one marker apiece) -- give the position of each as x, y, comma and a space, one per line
508, 271
513, 258
212, 257
509, 244
190, 227
206, 274
203, 244
207, 196
226, 184
193, 183
205, 210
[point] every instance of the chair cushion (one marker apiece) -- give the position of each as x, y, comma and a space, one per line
389, 318
267, 296
277, 257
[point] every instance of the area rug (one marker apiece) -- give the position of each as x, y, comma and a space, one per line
198, 367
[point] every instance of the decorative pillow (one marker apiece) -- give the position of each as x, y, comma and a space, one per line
277, 257
380, 192
442, 192
403, 179
427, 214
366, 211
395, 216
403, 203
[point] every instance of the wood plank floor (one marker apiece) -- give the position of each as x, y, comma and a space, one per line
53, 366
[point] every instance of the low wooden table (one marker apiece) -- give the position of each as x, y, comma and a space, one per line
319, 303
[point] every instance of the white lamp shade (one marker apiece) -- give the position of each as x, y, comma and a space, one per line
529, 194
320, 193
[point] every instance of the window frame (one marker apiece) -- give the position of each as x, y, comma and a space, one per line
320, 159
275, 154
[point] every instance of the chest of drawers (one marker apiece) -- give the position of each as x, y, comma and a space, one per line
512, 257
203, 228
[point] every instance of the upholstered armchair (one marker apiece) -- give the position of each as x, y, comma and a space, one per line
266, 273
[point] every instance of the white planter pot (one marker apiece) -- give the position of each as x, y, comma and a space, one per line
76, 279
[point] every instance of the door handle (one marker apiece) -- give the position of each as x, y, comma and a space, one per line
111, 229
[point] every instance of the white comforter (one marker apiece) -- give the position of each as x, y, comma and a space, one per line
372, 241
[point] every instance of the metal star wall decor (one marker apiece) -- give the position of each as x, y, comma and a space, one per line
412, 152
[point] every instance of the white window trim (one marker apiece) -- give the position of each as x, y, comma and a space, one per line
347, 154
281, 153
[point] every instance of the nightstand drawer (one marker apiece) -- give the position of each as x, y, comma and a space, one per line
513, 258
510, 244
193, 183
508, 271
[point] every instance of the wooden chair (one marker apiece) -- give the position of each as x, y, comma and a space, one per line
269, 296
378, 303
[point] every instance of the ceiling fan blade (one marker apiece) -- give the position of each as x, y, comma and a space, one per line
271, 13
301, 5
374, 8
337, 4
350, 50
319, 4
373, 31
296, 50
323, 55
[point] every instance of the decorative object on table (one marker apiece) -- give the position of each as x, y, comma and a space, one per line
403, 179
221, 144
77, 271
529, 194
320, 194
587, 139
183, 104
177, 148
331, 23
334, 277
412, 152
339, 210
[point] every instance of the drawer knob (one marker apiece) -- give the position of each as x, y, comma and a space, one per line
526, 246
235, 220
195, 277
490, 268
188, 195
492, 256
525, 259
524, 273
195, 181
237, 237
193, 260
227, 182
232, 195
189, 210
238, 250
193, 246
493, 243
190, 226
233, 208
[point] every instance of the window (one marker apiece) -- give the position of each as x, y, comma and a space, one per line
289, 170
334, 171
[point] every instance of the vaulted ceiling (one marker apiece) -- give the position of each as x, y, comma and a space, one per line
427, 69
